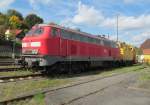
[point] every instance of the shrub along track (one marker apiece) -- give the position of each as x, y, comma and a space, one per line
43, 91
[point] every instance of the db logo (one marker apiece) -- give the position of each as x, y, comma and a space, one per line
105, 51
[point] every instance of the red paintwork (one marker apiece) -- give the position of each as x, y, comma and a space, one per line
57, 46
41, 38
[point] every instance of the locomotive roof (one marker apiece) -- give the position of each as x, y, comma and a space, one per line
75, 31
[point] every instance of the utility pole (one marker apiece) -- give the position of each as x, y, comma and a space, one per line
14, 46
117, 26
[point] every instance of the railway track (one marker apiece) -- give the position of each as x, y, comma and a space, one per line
9, 69
8, 64
6, 79
6, 61
31, 94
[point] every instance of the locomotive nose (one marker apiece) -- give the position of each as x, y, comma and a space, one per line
30, 47
31, 63
31, 44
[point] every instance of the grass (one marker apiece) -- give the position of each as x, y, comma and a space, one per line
3, 67
12, 89
122, 70
145, 76
147, 64
144, 79
38, 99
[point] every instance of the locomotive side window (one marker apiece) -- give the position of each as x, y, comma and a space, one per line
92, 40
54, 32
82, 38
114, 45
97, 41
89, 39
78, 37
65, 34
107, 43
75, 36
85, 39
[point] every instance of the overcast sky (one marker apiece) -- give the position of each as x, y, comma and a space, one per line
92, 16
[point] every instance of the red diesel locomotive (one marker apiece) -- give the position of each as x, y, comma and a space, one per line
49, 45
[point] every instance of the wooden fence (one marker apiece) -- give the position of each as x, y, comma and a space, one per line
6, 48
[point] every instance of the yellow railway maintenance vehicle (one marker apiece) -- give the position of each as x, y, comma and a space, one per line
147, 59
127, 53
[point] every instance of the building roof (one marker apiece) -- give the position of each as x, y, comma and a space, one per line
146, 44
16, 32
146, 51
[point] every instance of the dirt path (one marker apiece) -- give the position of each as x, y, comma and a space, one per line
108, 91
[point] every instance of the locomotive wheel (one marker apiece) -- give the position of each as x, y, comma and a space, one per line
46, 70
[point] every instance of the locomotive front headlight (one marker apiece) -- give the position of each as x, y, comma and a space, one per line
35, 44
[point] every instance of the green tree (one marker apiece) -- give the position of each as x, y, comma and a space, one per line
3, 20
12, 12
138, 51
3, 24
14, 22
2, 31
24, 25
33, 19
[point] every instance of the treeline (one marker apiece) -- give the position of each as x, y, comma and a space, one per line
13, 19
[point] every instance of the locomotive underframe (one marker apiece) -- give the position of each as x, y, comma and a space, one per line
37, 60
52, 63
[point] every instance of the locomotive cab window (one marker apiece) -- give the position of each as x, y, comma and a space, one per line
35, 32
39, 31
